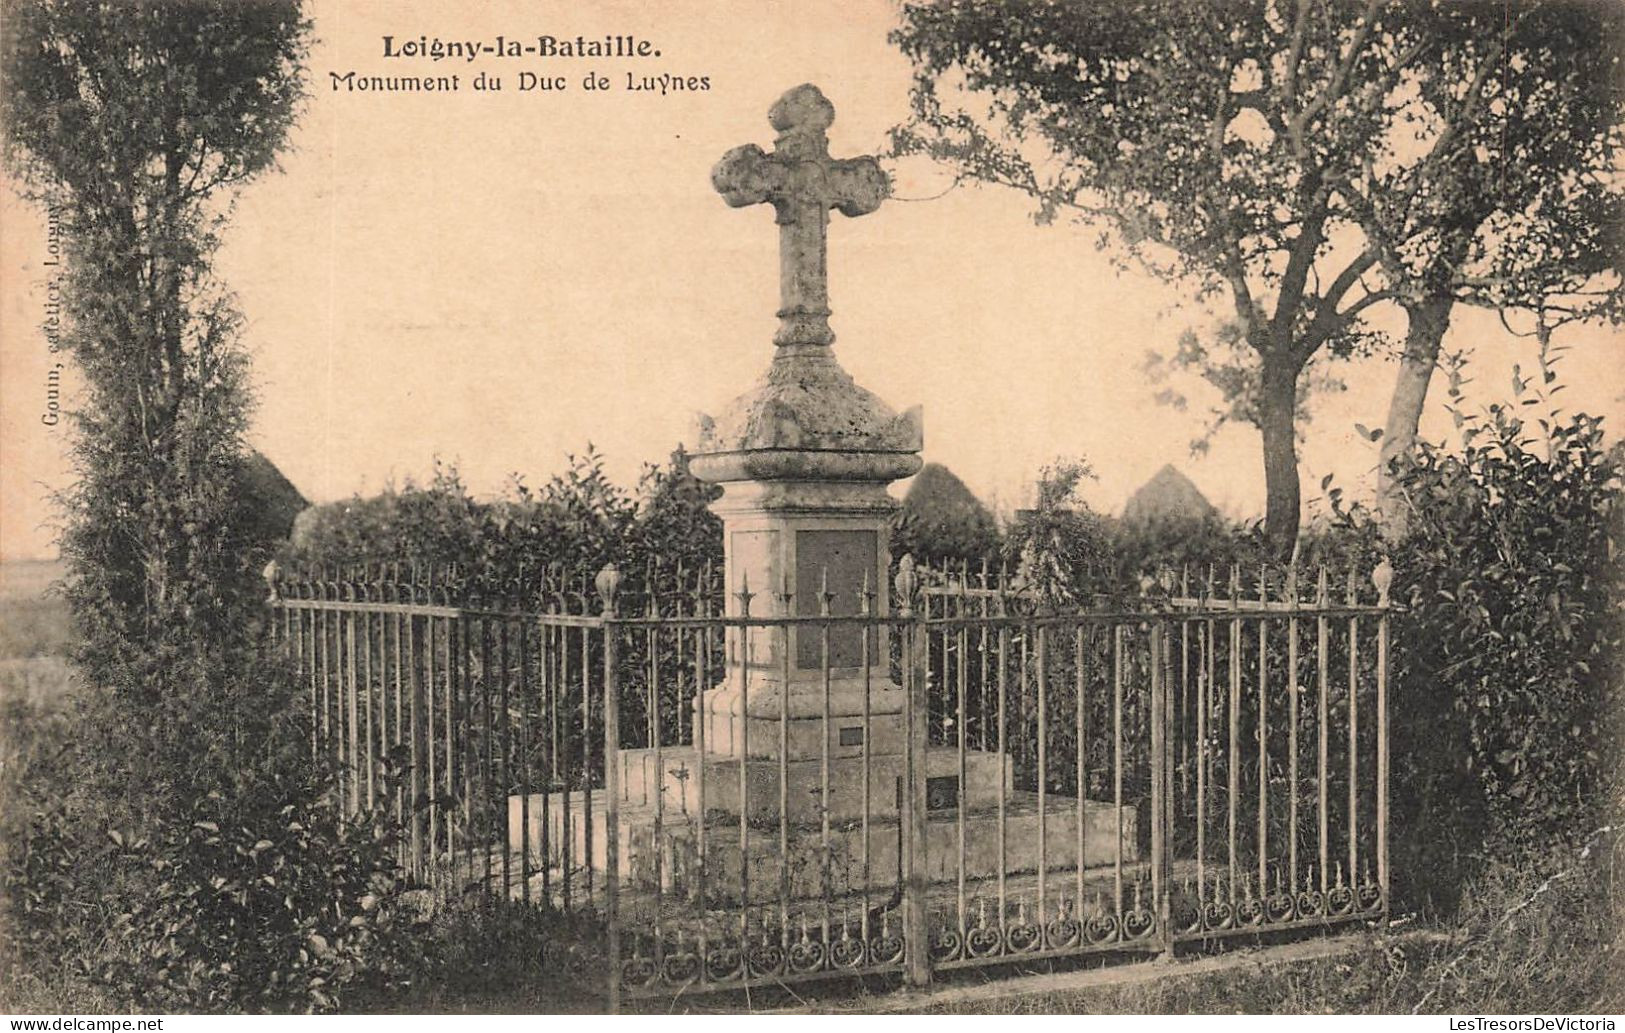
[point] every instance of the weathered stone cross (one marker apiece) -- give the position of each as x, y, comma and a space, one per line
802, 183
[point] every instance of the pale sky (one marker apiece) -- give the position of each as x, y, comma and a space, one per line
499, 278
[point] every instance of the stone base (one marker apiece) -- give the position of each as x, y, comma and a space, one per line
986, 775
670, 854
731, 731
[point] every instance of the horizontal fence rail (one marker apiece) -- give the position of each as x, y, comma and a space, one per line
948, 771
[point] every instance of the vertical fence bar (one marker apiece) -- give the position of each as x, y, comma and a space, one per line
607, 583
1263, 735
1383, 577
1323, 597
1169, 714
962, 925
505, 695
1117, 767
1233, 765
786, 606
610, 831
916, 934
657, 734
702, 667
1081, 706
452, 724
1159, 744
398, 713
1354, 733
352, 708
525, 744
367, 678
824, 610
488, 759
471, 745
561, 770
744, 763
414, 647
1204, 689
1043, 776
431, 637
1004, 762
1184, 708
308, 617
870, 627
983, 643
1292, 727
323, 667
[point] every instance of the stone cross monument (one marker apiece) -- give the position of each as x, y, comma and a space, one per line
804, 458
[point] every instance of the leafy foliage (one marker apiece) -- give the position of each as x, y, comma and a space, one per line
1060, 540
578, 522
1509, 647
176, 845
1306, 162
243, 887
1225, 361
137, 122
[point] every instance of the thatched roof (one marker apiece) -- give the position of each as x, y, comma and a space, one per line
1169, 495
273, 502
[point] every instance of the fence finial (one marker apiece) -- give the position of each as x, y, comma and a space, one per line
608, 583
787, 598
270, 575
1383, 578
906, 582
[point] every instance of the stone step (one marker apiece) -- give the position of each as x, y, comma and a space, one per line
1018, 899
673, 775
667, 851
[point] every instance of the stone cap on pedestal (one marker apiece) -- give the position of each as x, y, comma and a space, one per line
807, 419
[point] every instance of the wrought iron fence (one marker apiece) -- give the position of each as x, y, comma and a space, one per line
972, 775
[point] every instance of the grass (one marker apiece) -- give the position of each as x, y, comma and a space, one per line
36, 681
1542, 937
36, 636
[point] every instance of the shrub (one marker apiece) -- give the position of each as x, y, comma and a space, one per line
1507, 660
240, 886
576, 523
268, 899
1056, 545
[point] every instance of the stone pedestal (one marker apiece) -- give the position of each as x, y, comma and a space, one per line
804, 459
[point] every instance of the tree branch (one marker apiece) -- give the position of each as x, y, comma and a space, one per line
1289, 88
1334, 88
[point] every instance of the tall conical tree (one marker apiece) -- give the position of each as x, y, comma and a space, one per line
138, 122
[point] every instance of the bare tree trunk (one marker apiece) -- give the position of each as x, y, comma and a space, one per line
1277, 405
1429, 318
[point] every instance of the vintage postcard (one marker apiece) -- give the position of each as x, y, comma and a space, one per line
863, 503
